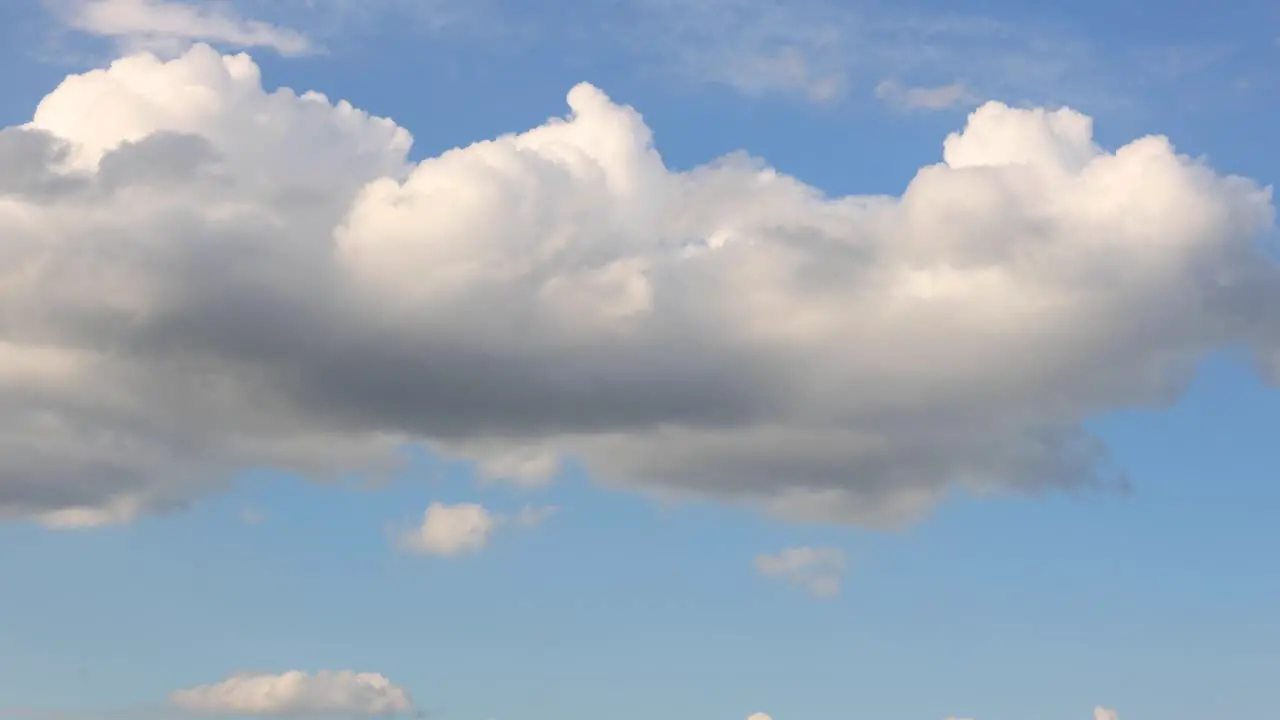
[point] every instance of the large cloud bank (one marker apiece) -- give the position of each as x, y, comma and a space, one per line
200, 277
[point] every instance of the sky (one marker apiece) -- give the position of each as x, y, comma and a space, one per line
696, 359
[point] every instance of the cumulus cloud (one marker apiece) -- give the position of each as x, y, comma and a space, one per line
449, 530
817, 570
452, 530
200, 277
295, 693
171, 24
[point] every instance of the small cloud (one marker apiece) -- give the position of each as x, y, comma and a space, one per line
465, 528
758, 49
759, 716
531, 516
170, 26
937, 97
785, 70
250, 515
519, 466
295, 693
818, 571
451, 530
116, 512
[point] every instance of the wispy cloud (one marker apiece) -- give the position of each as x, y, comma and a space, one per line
827, 49
936, 97
169, 25
339, 23
757, 47
820, 51
818, 48
817, 570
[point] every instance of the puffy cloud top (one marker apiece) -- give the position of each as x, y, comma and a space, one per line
200, 276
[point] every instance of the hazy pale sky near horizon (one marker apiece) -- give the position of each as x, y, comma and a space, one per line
501, 360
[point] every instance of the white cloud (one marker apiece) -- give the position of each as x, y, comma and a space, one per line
169, 25
452, 530
201, 277
296, 693
758, 716
936, 97
817, 570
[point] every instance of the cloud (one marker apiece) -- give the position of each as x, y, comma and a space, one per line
296, 693
757, 47
819, 49
818, 571
531, 516
937, 97
169, 25
811, 49
522, 466
452, 530
200, 277
758, 716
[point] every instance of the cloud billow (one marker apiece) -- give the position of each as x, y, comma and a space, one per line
202, 277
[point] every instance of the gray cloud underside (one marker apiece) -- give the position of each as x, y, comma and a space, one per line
200, 277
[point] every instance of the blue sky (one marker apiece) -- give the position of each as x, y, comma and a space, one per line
626, 586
